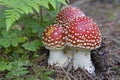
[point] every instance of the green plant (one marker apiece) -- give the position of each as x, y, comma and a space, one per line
42, 74
21, 25
17, 8
16, 68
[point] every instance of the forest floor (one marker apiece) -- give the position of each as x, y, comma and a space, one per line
107, 58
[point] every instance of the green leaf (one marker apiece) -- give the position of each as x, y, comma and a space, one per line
4, 42
3, 65
53, 3
11, 38
33, 45
62, 1
16, 68
11, 17
44, 3
47, 73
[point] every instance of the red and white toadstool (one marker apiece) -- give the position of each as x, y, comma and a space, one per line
83, 35
54, 40
67, 14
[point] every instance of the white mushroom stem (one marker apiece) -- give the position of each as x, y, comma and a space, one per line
58, 58
82, 59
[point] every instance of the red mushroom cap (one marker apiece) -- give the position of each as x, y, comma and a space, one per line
54, 37
83, 32
67, 14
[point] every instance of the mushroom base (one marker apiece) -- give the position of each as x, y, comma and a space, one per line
82, 59
58, 58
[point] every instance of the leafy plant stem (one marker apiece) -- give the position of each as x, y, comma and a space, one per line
41, 16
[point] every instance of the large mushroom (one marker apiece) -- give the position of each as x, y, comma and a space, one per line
83, 35
54, 40
67, 14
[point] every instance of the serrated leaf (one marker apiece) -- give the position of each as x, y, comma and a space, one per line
11, 17
32, 46
48, 73
62, 1
4, 42
44, 3
53, 3
3, 65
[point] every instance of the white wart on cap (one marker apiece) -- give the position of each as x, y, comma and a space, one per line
67, 14
84, 33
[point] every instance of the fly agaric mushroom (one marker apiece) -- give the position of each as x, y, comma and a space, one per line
67, 14
54, 40
83, 35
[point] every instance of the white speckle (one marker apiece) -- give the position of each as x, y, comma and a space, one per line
95, 43
62, 43
73, 36
43, 37
52, 43
92, 48
56, 42
74, 42
80, 28
85, 44
55, 28
56, 33
92, 44
88, 47
87, 31
78, 40
83, 30
46, 39
60, 36
92, 40
86, 35
48, 44
86, 40
76, 34
81, 40
90, 29
76, 28
72, 31
90, 35
49, 37
45, 33
93, 32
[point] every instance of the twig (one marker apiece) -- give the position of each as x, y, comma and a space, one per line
109, 20
66, 74
79, 2
88, 75
69, 75
115, 50
72, 76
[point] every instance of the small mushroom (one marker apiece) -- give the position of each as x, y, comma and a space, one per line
67, 14
54, 40
83, 35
